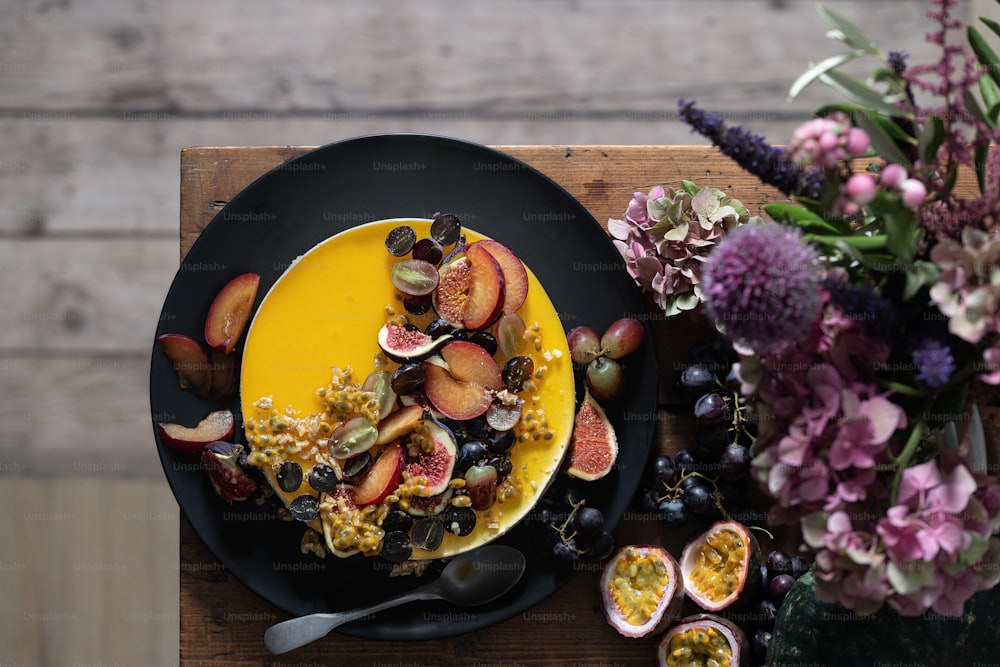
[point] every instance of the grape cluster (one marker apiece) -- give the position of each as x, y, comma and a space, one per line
417, 277
605, 376
709, 480
569, 530
777, 575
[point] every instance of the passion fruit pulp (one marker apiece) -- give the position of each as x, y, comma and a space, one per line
720, 565
641, 590
703, 640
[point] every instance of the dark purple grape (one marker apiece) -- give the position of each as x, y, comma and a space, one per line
605, 378
427, 533
766, 611
711, 442
564, 551
672, 513
588, 522
304, 508
357, 466
417, 305
778, 562
396, 546
732, 382
457, 429
503, 465
761, 640
500, 442
696, 380
711, 409
323, 478
408, 379
400, 240
685, 460
517, 372
663, 469
428, 250
397, 520
765, 577
799, 565
647, 499
779, 587
698, 497
459, 520
478, 428
600, 546
446, 228
438, 328
469, 454
289, 476
485, 340
734, 464
572, 497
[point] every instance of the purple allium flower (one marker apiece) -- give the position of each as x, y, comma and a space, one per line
762, 284
753, 153
934, 362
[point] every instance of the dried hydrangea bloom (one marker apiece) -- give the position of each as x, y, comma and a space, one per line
968, 289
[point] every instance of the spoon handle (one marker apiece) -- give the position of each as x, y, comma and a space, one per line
295, 632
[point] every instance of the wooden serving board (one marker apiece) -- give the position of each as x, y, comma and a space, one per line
222, 622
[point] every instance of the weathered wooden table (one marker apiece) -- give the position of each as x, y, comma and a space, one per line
222, 622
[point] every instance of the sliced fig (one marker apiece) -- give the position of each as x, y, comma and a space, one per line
455, 277
436, 465
403, 344
642, 590
594, 445
720, 565
703, 639
221, 461
430, 506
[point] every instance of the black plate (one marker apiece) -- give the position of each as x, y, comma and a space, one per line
310, 198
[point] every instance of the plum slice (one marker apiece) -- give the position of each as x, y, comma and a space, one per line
230, 311
191, 440
515, 276
190, 362
383, 477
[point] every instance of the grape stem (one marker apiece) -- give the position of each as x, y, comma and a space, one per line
565, 524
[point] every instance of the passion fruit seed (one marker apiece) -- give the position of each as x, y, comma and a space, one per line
414, 277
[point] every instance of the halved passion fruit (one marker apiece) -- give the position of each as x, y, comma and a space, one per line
720, 564
642, 590
703, 639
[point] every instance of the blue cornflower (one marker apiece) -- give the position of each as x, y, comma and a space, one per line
753, 153
897, 61
934, 362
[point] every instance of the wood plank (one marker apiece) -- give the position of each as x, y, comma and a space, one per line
95, 294
104, 176
77, 416
484, 59
88, 572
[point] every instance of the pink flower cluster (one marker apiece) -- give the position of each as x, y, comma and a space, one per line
827, 142
968, 291
665, 237
823, 426
931, 550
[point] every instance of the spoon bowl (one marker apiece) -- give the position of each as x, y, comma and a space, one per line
473, 578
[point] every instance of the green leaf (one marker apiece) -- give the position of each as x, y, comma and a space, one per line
993, 25
881, 141
931, 136
987, 57
858, 91
846, 31
973, 107
979, 162
815, 69
800, 217
923, 273
690, 188
901, 233
990, 92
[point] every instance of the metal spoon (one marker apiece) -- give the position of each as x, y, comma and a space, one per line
470, 579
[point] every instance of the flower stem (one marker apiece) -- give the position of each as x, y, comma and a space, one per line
902, 461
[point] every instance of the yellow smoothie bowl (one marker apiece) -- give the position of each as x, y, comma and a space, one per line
321, 317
